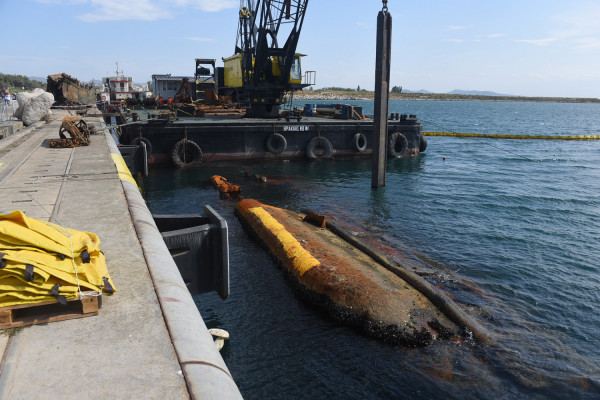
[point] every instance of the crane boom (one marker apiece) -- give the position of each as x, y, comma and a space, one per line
267, 70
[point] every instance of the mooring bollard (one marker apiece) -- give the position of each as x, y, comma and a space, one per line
382, 81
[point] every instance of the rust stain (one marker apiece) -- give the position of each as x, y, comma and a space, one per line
226, 190
171, 299
318, 220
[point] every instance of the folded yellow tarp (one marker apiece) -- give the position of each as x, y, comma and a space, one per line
41, 261
19, 231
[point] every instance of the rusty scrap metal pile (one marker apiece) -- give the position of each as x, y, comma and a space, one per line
77, 128
68, 91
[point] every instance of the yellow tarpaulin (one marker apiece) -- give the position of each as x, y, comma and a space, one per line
41, 261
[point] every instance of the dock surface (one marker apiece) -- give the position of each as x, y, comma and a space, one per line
142, 344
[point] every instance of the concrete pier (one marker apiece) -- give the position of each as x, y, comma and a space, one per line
148, 340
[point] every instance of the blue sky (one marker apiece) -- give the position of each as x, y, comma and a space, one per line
526, 47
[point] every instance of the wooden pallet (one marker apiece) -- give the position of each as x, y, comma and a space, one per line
48, 311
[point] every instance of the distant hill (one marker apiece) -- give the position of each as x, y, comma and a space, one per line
38, 78
416, 91
477, 93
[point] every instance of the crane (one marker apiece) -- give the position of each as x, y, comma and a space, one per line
262, 71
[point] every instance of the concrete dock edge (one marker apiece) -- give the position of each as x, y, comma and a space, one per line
204, 370
7, 128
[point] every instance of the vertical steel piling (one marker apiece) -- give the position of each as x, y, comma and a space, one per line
382, 78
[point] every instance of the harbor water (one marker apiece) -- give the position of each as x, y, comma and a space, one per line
511, 225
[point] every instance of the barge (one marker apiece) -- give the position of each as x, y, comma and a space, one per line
260, 80
187, 141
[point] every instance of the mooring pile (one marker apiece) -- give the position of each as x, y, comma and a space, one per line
41, 261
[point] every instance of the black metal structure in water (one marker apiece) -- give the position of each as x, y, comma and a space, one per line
135, 157
200, 247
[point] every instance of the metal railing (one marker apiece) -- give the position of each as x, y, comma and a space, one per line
7, 111
310, 78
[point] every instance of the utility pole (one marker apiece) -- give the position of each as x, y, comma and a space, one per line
382, 90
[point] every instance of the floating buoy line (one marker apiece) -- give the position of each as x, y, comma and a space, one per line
476, 136
451, 133
505, 136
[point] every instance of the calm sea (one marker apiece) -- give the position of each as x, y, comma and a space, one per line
512, 225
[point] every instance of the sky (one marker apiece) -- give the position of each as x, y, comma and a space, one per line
525, 47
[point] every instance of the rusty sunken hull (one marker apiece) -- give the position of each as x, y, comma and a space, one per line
330, 273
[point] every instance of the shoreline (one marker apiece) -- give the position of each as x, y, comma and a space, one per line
368, 96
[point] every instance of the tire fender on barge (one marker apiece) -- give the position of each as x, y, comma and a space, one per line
397, 145
422, 144
276, 143
360, 142
186, 152
319, 148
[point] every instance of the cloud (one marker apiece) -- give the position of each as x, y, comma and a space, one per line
116, 10
141, 10
208, 5
587, 43
582, 21
568, 73
495, 35
538, 42
62, 2
456, 28
577, 28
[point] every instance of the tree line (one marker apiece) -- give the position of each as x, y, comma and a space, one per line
19, 82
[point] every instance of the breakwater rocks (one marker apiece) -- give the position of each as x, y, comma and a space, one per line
331, 97
368, 95
34, 106
330, 273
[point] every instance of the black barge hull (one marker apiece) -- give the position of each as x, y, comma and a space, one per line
234, 138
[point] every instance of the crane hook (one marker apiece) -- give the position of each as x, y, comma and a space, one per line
245, 12
385, 8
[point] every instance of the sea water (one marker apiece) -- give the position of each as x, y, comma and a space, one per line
511, 225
